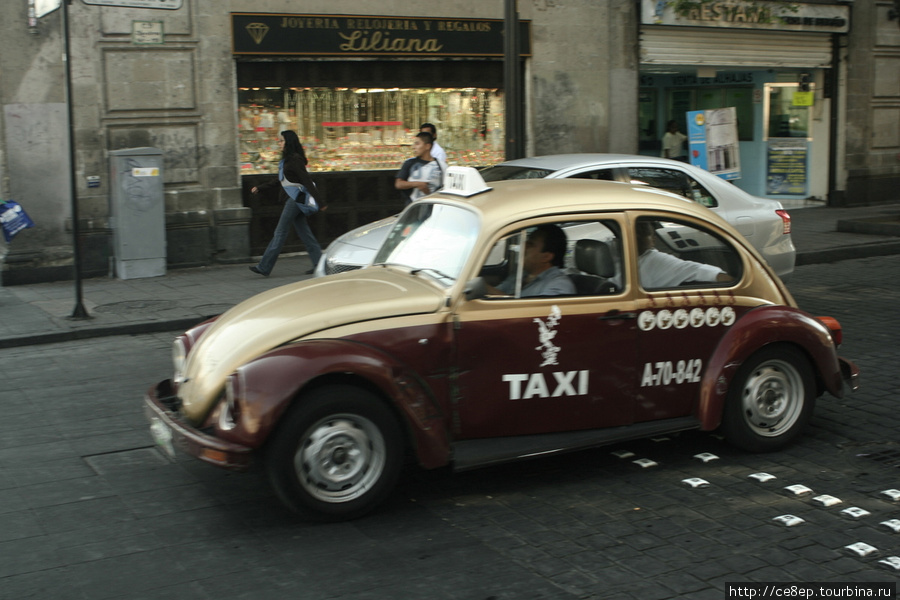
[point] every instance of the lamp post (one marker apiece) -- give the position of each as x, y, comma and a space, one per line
79, 312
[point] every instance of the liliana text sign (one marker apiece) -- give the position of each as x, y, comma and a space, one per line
330, 35
164, 4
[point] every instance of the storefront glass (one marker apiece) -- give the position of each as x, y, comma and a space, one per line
647, 119
787, 111
361, 129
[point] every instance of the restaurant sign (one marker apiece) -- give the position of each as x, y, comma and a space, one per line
340, 35
748, 14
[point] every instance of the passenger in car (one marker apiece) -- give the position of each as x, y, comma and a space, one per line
544, 256
660, 270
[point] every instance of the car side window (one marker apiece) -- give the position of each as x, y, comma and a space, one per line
571, 258
673, 181
594, 262
664, 179
679, 255
700, 194
595, 174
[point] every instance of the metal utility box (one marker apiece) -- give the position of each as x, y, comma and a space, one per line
137, 213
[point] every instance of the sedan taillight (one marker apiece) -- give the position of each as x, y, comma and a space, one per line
785, 219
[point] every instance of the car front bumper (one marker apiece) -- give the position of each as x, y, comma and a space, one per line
171, 431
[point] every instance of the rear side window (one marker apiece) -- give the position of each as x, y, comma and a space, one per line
673, 181
596, 175
503, 173
678, 255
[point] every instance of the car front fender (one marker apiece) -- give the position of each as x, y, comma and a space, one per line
271, 383
758, 328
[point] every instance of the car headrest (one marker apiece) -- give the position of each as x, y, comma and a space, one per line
594, 257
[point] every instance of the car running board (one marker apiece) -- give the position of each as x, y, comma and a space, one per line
470, 454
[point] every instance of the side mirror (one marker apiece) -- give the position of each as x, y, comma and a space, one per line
475, 289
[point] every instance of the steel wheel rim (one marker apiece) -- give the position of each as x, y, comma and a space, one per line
773, 398
341, 458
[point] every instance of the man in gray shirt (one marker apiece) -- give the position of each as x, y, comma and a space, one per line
545, 252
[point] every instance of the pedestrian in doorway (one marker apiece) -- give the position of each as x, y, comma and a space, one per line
299, 193
436, 150
673, 142
422, 174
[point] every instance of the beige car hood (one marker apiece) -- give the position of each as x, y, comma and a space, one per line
287, 313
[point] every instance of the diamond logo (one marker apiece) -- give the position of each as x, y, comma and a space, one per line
257, 31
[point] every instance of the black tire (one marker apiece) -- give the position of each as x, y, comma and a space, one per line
770, 400
336, 454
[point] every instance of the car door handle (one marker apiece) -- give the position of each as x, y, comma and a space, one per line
615, 315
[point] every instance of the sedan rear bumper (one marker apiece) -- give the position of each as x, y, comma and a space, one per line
170, 431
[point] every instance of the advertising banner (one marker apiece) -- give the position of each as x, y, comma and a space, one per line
786, 167
696, 122
713, 141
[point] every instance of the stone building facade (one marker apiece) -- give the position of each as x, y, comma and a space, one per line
870, 152
171, 79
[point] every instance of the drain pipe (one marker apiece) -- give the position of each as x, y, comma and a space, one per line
835, 198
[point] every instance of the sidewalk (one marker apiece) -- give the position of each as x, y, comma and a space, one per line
38, 314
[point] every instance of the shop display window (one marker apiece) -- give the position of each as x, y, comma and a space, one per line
787, 111
361, 129
647, 125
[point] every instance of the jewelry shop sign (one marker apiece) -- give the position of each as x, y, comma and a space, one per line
341, 35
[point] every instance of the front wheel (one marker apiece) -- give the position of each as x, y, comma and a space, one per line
770, 400
336, 455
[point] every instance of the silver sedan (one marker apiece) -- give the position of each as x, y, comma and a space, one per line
764, 222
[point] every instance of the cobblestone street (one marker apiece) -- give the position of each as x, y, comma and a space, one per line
89, 509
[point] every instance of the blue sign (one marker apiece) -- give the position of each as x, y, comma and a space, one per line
696, 122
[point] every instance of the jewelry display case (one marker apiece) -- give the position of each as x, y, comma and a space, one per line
367, 129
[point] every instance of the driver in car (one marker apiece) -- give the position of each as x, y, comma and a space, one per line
545, 251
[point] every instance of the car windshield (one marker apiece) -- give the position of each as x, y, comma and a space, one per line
505, 172
433, 239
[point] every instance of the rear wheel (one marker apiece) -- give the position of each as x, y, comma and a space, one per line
770, 401
336, 455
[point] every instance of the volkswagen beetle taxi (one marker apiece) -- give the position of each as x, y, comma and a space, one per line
500, 323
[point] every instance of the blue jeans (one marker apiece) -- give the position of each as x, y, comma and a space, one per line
295, 214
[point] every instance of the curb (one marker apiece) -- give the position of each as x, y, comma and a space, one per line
847, 253
57, 337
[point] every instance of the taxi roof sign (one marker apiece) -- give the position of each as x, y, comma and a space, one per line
464, 181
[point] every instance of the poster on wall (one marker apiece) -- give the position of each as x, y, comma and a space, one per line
713, 141
786, 167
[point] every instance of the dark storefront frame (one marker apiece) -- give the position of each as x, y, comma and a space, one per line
360, 51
